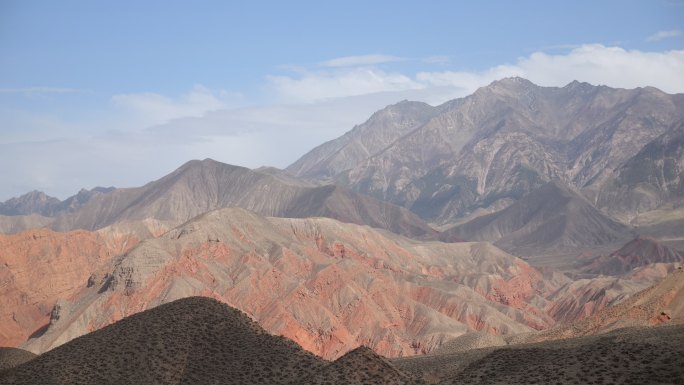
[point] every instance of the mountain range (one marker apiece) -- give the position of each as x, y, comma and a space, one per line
518, 214
200, 186
481, 152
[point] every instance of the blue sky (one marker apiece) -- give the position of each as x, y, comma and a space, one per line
120, 93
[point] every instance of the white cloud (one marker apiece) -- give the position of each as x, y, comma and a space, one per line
594, 63
152, 108
321, 85
664, 35
361, 60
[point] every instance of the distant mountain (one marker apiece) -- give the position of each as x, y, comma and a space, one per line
37, 202
34, 202
552, 218
201, 186
327, 285
496, 145
189, 341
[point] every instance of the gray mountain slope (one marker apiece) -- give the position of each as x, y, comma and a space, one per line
363, 141
651, 178
553, 218
502, 142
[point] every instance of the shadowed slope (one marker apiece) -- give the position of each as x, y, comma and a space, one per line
189, 341
552, 218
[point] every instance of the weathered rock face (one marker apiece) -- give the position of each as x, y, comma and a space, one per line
651, 178
39, 266
327, 285
200, 186
502, 142
363, 141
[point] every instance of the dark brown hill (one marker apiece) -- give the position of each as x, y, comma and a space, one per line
360, 366
189, 341
629, 356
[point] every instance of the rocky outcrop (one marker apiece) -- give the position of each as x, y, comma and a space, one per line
40, 266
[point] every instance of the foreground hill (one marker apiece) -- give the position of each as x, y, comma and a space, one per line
190, 341
618, 344
327, 285
360, 366
201, 186
626, 356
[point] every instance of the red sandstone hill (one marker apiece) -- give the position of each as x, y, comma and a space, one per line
40, 266
327, 285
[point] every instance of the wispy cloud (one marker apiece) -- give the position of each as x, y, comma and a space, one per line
321, 85
361, 60
38, 90
664, 35
152, 108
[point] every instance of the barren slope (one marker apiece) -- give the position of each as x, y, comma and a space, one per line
40, 266
201, 186
501, 143
327, 285
553, 218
